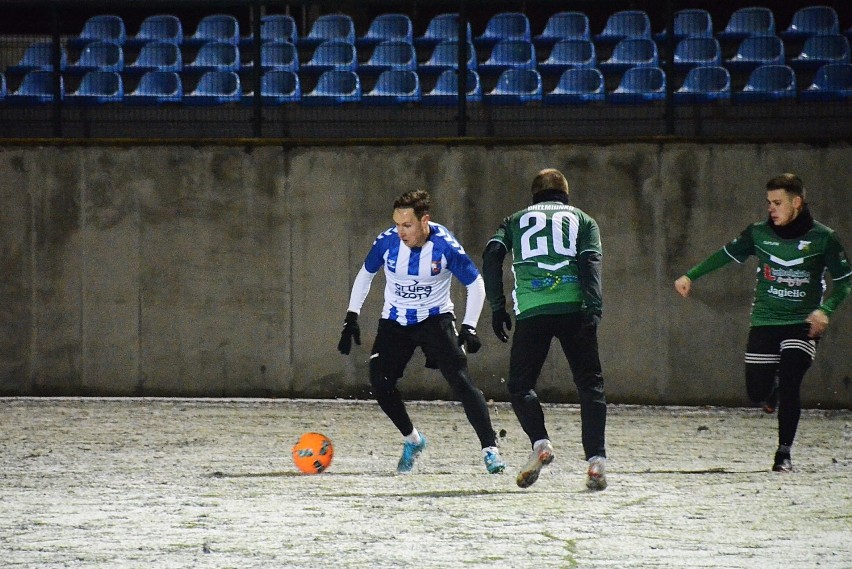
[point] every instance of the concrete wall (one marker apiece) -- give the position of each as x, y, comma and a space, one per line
214, 271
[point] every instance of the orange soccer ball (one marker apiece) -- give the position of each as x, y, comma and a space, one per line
312, 453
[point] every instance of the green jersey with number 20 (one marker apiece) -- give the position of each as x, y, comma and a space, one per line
545, 240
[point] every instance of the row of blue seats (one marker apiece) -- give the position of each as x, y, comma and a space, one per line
750, 20
220, 56
514, 86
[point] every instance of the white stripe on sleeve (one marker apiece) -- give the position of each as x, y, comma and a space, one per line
360, 289
475, 299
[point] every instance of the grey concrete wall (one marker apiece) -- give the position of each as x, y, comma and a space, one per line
211, 271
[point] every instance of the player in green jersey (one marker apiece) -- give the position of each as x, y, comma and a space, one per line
789, 313
556, 261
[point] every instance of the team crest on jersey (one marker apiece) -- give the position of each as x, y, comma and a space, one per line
804, 245
436, 267
391, 264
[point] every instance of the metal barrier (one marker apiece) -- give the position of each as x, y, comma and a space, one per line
538, 69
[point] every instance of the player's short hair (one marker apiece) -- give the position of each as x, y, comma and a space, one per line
418, 200
549, 179
790, 183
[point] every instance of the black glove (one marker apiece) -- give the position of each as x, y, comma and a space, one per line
350, 330
469, 339
500, 319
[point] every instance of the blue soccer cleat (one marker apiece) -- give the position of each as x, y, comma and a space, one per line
410, 452
494, 463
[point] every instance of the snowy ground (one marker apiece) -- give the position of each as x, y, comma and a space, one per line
209, 483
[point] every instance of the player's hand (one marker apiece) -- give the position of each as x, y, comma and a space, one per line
683, 285
500, 323
818, 321
351, 331
469, 339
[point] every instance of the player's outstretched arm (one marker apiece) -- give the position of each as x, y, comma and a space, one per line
683, 285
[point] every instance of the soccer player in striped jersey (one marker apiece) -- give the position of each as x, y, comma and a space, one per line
789, 313
556, 261
420, 258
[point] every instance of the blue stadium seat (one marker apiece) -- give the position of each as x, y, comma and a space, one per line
509, 54
445, 56
3, 88
395, 87
567, 54
157, 56
335, 87
161, 27
36, 88
564, 26
105, 27
330, 27
812, 21
625, 24
697, 51
577, 85
833, 82
640, 85
748, 21
446, 89
276, 28
98, 88
156, 88
441, 28
215, 88
388, 27
336, 55
822, 50
754, 51
39, 57
99, 56
387, 55
689, 23
769, 83
277, 55
215, 28
505, 26
631, 52
277, 87
516, 87
215, 56
705, 85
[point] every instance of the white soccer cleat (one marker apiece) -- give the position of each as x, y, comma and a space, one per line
541, 456
596, 475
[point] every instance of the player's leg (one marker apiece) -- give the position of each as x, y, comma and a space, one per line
797, 355
439, 340
578, 337
530, 344
391, 352
761, 366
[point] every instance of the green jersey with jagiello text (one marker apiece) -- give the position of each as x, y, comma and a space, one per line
545, 240
790, 273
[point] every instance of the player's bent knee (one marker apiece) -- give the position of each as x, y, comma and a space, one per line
523, 395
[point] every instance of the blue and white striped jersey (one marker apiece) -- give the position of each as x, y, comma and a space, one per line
417, 279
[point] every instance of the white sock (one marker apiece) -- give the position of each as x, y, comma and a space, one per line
413, 438
538, 444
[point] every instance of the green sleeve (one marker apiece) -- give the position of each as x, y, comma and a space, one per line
838, 265
840, 290
715, 261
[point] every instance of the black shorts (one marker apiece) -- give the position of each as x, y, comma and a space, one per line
766, 344
436, 336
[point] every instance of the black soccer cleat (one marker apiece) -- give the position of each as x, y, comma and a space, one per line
782, 463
